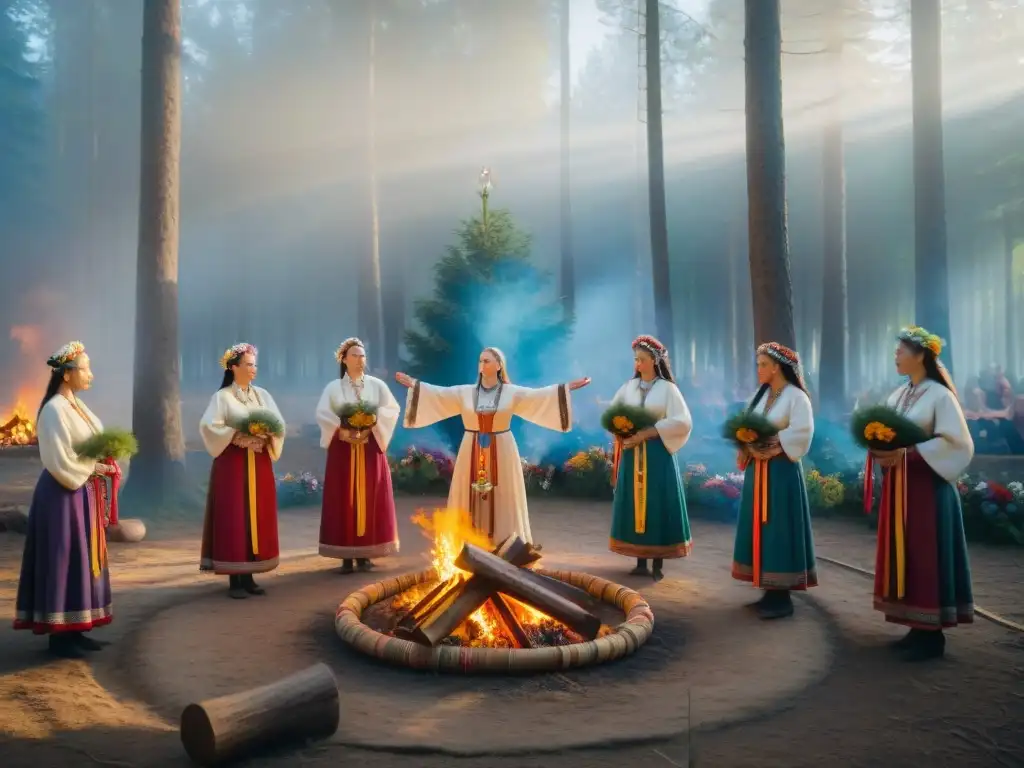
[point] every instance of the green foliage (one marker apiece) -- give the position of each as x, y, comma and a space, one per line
259, 423
626, 420
486, 293
117, 444
882, 428
744, 421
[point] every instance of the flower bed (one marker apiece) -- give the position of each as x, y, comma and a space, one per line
993, 511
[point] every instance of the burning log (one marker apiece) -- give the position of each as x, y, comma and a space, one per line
508, 618
528, 587
298, 707
18, 430
573, 594
461, 599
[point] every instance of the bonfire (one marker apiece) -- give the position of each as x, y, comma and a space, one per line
17, 429
501, 621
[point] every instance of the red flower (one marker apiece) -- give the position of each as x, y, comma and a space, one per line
999, 493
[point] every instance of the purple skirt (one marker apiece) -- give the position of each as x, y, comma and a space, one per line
57, 591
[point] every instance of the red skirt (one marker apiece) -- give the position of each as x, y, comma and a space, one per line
231, 543
344, 533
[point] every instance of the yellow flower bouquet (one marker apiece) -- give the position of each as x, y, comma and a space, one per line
746, 429
626, 420
881, 428
260, 423
358, 416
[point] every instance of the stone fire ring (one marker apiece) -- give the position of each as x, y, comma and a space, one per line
626, 638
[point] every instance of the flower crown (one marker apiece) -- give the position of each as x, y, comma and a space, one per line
780, 354
235, 352
920, 337
346, 345
65, 355
652, 346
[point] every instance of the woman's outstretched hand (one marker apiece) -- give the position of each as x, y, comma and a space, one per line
405, 379
579, 383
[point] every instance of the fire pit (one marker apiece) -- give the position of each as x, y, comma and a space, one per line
18, 429
490, 609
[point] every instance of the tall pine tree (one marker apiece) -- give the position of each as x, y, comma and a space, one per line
487, 293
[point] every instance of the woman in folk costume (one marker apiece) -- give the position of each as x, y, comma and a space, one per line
922, 572
774, 545
487, 480
649, 517
240, 530
357, 520
64, 588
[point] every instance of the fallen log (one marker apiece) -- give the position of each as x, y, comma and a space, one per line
442, 596
300, 707
526, 586
464, 599
508, 617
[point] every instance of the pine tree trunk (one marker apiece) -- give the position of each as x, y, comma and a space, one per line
156, 412
1010, 321
373, 295
660, 268
931, 281
568, 274
771, 284
832, 376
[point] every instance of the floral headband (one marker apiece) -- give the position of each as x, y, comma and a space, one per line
346, 345
235, 353
920, 337
65, 356
651, 346
780, 354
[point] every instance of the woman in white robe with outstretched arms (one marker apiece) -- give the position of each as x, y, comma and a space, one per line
487, 481
357, 518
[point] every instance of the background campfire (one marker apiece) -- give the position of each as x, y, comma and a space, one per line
18, 428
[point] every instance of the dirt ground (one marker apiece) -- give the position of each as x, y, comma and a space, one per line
819, 689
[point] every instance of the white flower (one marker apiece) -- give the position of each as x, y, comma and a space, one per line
982, 486
1016, 486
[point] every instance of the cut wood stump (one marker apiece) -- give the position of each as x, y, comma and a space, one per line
127, 531
297, 708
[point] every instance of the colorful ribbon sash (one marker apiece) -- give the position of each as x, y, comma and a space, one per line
760, 514
357, 484
104, 514
250, 456
639, 481
484, 459
894, 488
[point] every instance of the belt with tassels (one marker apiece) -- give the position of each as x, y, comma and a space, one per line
894, 492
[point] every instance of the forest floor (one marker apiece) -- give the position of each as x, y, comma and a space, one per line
713, 686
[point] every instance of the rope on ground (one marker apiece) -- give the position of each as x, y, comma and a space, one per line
995, 618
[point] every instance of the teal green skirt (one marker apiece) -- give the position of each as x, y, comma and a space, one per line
667, 530
786, 541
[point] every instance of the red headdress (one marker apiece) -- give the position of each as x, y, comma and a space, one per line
652, 346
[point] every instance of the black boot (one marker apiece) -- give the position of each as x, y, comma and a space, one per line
63, 646
235, 588
927, 645
641, 568
778, 605
364, 564
86, 643
765, 597
656, 574
906, 641
249, 585
346, 566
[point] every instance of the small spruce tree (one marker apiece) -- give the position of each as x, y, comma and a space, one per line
487, 293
